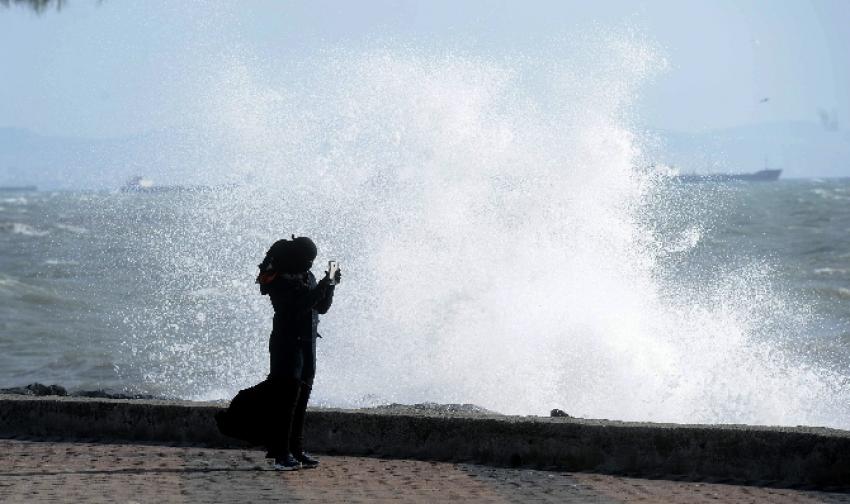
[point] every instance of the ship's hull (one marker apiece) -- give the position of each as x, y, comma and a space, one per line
759, 176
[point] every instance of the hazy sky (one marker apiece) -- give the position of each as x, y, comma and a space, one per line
113, 68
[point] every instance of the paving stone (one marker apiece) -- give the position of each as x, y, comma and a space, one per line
33, 472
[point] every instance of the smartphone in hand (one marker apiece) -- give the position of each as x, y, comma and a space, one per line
333, 269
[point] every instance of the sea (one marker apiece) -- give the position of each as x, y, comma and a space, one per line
701, 303
507, 235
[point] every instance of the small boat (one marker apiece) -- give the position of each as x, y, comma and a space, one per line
766, 175
139, 184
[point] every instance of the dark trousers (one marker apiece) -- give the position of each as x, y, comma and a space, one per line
296, 435
293, 366
288, 418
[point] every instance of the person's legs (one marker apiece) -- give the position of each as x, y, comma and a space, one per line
286, 365
296, 439
285, 400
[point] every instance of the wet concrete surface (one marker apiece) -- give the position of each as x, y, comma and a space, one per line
774, 456
38, 471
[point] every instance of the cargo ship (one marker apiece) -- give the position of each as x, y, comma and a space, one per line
766, 175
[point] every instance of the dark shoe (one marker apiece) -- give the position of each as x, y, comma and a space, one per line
286, 463
307, 462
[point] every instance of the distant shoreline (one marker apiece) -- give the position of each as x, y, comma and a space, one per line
24, 188
115, 190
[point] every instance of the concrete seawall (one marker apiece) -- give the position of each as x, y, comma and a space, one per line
768, 455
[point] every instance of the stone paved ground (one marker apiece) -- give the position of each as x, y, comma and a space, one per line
92, 472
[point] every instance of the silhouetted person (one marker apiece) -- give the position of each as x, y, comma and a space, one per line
298, 300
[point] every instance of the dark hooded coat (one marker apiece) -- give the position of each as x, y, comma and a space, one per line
298, 300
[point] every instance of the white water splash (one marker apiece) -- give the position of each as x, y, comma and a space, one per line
496, 239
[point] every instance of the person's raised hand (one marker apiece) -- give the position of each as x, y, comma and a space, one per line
337, 276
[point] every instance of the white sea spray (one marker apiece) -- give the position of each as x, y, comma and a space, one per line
500, 241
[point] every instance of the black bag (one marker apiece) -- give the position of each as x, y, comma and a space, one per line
250, 414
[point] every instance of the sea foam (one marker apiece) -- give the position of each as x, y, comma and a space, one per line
501, 245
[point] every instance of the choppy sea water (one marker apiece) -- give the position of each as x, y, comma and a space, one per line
500, 241
743, 314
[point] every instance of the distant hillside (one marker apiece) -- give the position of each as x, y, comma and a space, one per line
800, 149
185, 157
27, 158
55, 162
